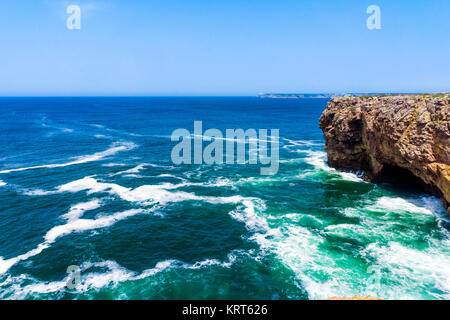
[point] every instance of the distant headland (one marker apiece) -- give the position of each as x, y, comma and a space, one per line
341, 95
312, 95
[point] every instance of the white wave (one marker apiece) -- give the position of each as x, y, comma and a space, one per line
81, 225
249, 215
2, 183
433, 204
259, 180
323, 275
136, 169
305, 219
116, 273
115, 148
112, 164
350, 176
169, 264
99, 126
135, 176
318, 159
102, 136
219, 182
302, 143
393, 219
151, 194
299, 249
350, 231
73, 226
351, 212
6, 264
147, 194
293, 161
413, 270
410, 272
234, 139
167, 175
37, 192
47, 125
111, 276
246, 140
389, 204
291, 216
419, 209
79, 209
40, 288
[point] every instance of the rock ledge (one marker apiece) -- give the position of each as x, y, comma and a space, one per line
394, 138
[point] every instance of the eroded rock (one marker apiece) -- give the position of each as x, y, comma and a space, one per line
382, 135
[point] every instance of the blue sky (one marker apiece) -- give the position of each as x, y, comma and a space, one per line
223, 47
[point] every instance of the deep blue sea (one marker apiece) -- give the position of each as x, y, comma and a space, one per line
89, 183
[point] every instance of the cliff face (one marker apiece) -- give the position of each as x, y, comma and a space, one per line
405, 137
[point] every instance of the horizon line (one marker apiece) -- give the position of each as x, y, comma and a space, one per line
214, 95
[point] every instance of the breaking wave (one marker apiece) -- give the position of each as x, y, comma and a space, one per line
318, 159
146, 194
76, 225
117, 147
112, 275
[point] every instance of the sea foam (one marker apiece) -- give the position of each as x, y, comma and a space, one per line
318, 159
115, 148
112, 275
78, 210
413, 270
390, 204
73, 226
146, 193
136, 169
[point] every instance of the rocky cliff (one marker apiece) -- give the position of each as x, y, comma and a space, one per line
403, 138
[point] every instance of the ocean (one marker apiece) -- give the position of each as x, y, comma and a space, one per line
92, 207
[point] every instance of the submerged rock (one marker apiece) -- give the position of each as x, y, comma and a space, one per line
401, 138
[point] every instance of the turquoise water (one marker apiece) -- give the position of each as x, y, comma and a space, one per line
89, 182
